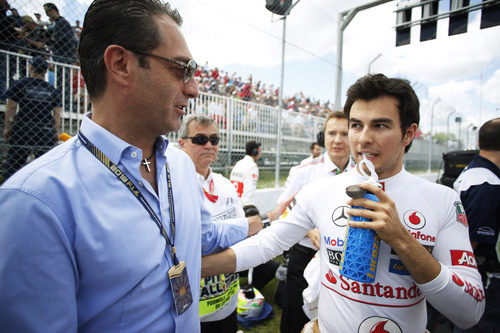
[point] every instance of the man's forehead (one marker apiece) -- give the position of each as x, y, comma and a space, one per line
336, 122
174, 43
202, 129
381, 109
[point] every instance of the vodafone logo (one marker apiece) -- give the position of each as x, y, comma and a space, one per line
414, 220
379, 325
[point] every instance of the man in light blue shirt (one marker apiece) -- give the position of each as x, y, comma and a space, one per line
81, 241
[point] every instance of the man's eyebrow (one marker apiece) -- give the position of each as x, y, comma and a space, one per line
382, 120
376, 120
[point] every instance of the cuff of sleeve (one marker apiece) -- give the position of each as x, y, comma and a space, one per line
243, 261
438, 283
236, 248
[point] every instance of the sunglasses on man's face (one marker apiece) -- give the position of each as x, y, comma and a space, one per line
189, 67
202, 139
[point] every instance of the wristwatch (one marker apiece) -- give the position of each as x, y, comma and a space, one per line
265, 221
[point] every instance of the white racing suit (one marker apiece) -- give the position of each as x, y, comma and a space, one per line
432, 213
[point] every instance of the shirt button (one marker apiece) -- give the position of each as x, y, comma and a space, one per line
133, 154
141, 184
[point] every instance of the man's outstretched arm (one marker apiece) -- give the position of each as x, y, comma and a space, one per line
218, 263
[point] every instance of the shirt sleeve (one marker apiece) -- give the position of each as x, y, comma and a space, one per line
221, 235
272, 241
459, 282
292, 184
38, 271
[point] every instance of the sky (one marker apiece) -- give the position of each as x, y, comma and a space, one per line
454, 76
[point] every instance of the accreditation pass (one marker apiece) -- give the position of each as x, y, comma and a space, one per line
181, 291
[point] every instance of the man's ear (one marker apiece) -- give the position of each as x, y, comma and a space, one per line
118, 63
181, 143
410, 134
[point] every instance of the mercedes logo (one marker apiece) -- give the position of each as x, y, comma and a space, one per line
339, 216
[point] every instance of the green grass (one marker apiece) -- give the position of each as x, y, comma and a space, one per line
267, 178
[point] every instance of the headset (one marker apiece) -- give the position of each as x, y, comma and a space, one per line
255, 150
320, 139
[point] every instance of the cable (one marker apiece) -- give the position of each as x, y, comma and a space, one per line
239, 19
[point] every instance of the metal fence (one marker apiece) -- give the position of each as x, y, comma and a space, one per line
238, 121
23, 35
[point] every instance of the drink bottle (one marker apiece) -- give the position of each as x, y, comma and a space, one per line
361, 246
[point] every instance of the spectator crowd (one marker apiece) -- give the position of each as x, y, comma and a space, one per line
56, 39
219, 82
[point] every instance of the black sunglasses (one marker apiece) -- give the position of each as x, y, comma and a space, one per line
202, 139
189, 68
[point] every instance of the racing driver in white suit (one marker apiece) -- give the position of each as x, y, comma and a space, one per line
425, 252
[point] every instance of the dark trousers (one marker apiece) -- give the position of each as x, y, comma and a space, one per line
226, 325
293, 318
25, 139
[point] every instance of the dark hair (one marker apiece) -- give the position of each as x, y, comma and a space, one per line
311, 147
129, 23
489, 135
50, 6
252, 148
371, 87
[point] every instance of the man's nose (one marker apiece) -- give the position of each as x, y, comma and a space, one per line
191, 89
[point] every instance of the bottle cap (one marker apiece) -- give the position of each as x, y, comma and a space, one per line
355, 192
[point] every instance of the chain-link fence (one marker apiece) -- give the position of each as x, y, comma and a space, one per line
36, 111
37, 105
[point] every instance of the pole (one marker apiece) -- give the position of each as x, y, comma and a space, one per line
344, 18
459, 121
340, 44
280, 108
280, 102
467, 135
448, 127
373, 60
429, 165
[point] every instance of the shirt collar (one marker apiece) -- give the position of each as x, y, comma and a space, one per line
112, 146
387, 183
205, 181
330, 166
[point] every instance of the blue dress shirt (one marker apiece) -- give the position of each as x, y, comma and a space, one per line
78, 252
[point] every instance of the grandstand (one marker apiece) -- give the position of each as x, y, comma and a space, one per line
243, 109
239, 121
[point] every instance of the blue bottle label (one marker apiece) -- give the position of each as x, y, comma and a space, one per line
361, 250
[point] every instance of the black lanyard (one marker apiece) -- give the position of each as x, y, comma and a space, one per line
135, 191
